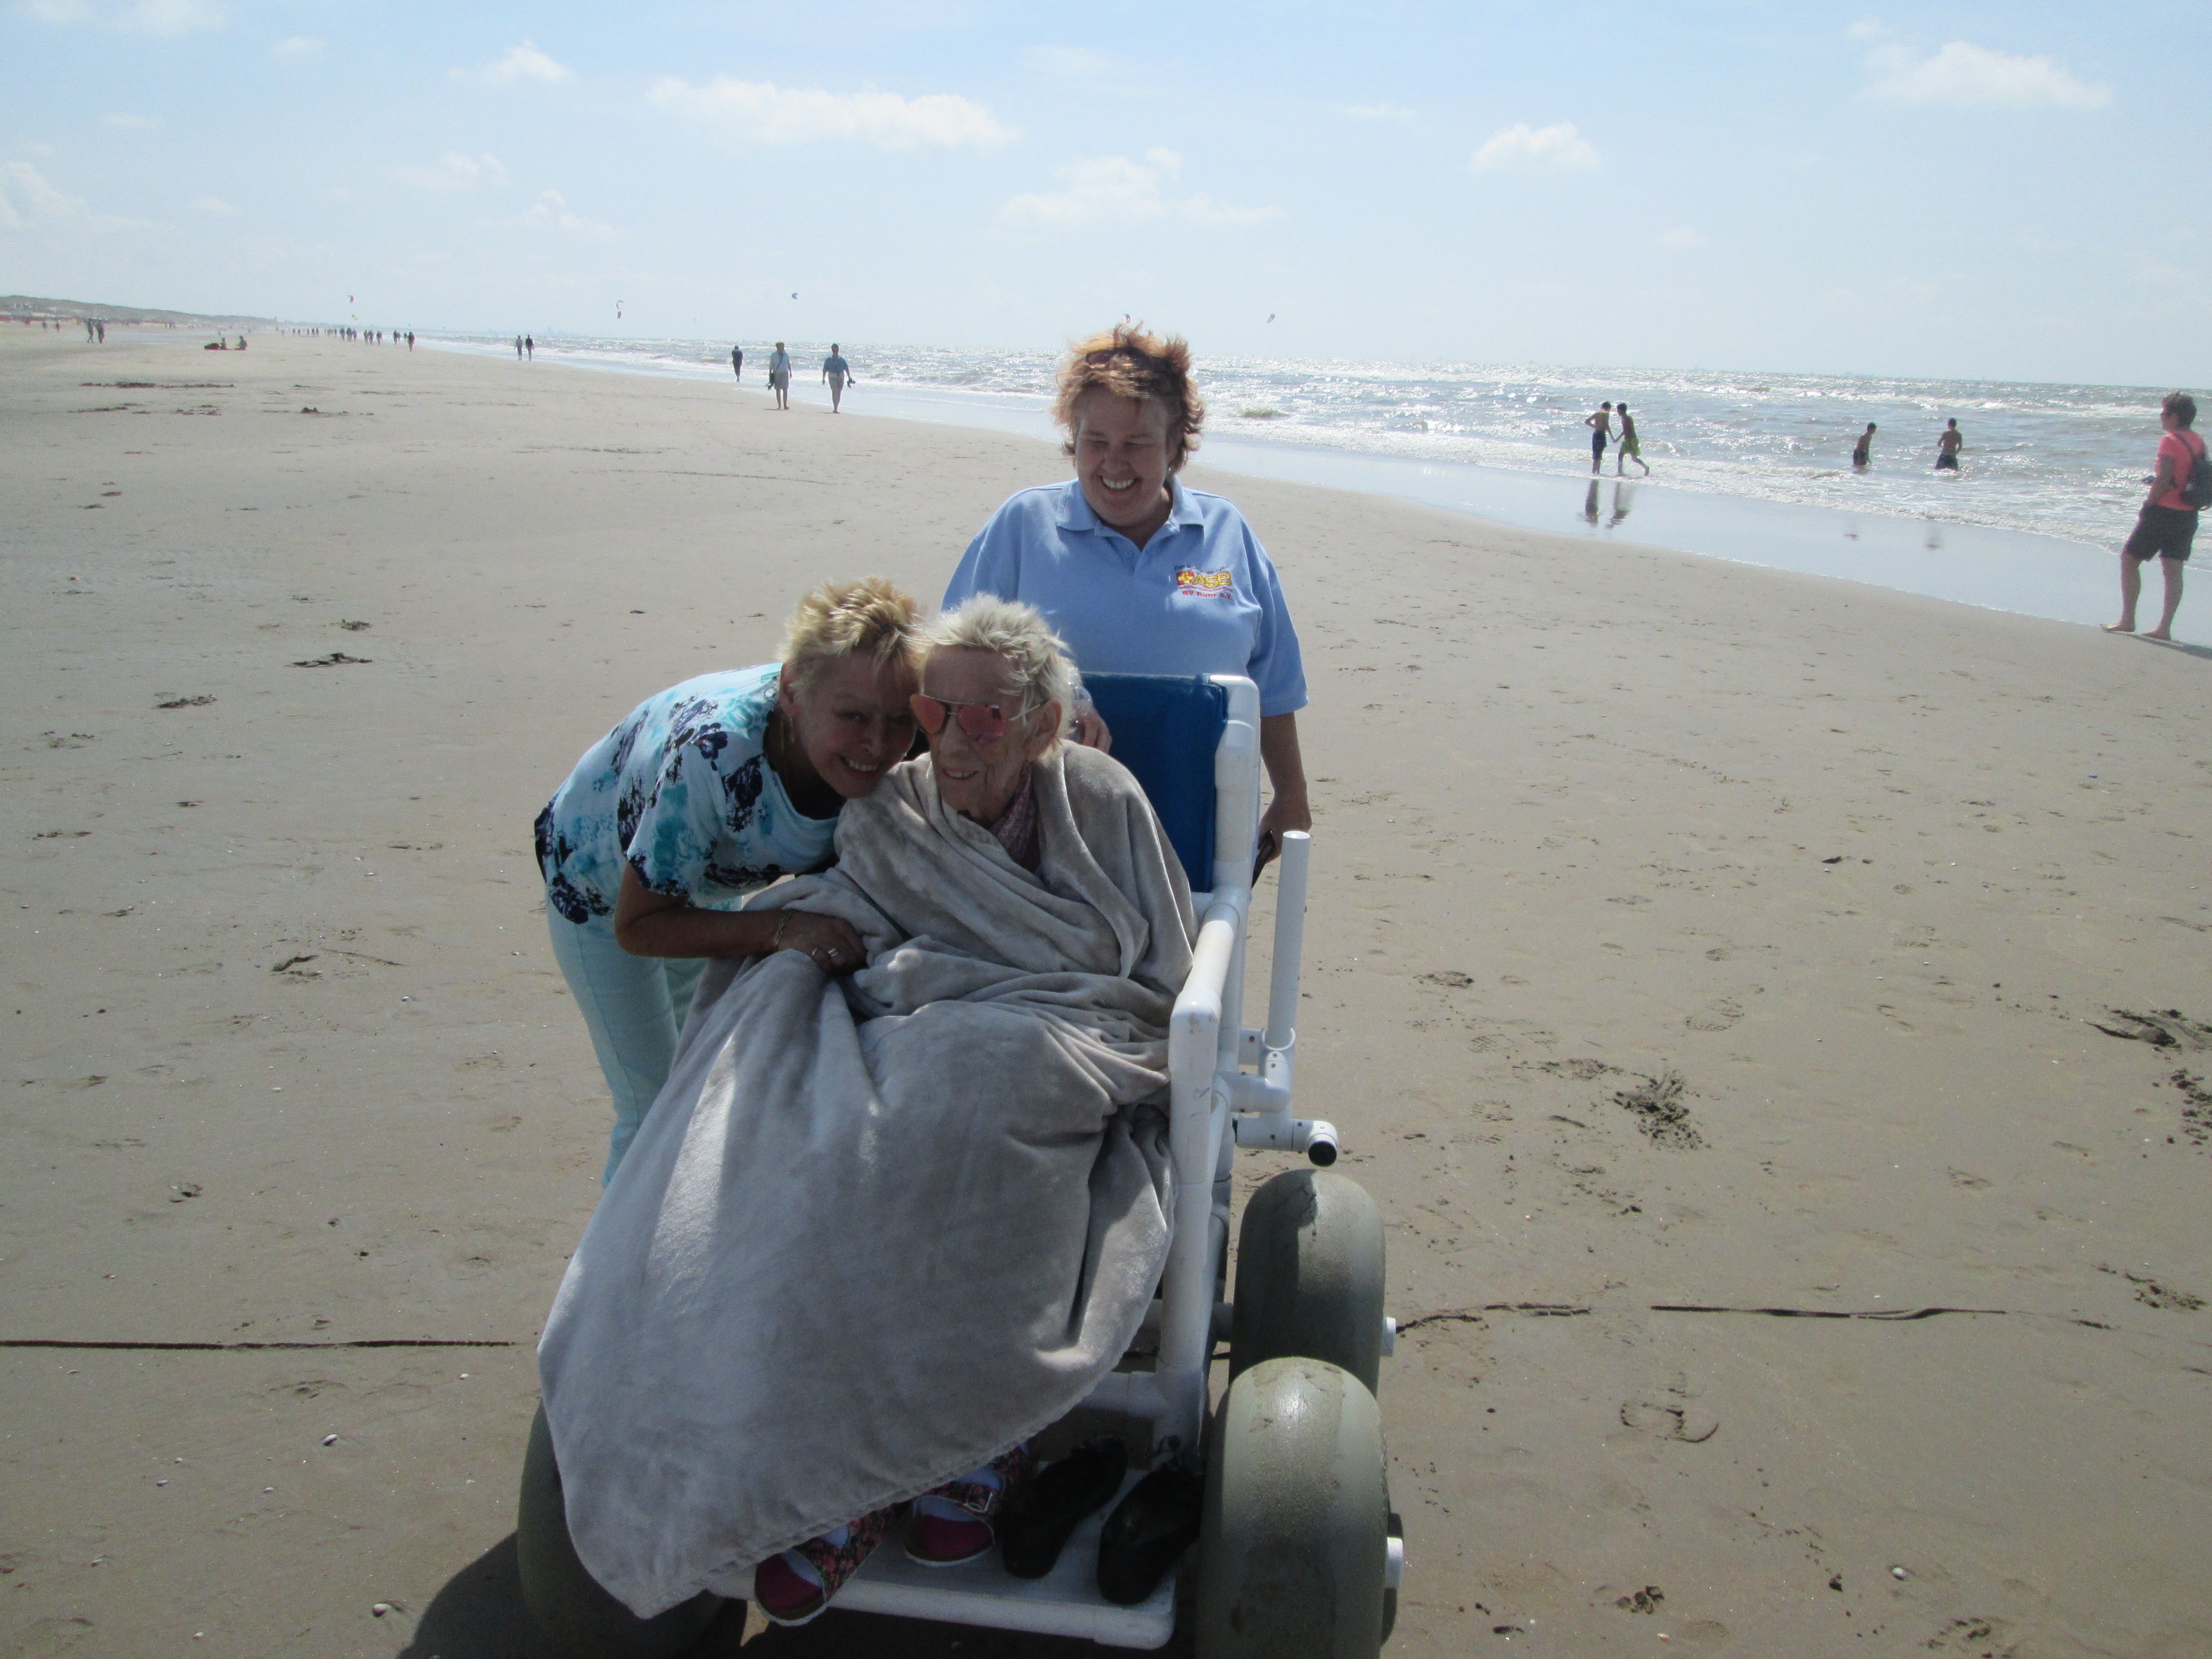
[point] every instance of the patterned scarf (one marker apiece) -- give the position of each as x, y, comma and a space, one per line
1016, 828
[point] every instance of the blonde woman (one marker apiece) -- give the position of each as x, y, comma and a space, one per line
704, 794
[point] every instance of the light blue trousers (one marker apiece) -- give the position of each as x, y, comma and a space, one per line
633, 1007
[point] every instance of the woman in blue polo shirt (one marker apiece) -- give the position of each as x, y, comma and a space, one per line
1137, 574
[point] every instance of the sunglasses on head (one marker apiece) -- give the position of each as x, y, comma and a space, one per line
983, 722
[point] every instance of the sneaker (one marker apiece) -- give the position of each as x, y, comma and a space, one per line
956, 1523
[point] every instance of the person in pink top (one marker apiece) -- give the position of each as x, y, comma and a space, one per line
2167, 525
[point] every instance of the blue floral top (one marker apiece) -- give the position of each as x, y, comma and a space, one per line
681, 790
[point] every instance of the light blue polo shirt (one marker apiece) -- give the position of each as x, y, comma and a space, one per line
1201, 598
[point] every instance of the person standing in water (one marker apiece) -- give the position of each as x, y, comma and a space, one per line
837, 371
738, 363
1862, 452
1629, 449
1946, 448
2166, 526
1600, 426
779, 375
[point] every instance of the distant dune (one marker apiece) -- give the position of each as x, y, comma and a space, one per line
30, 305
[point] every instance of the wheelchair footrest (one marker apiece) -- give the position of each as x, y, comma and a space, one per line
1064, 1602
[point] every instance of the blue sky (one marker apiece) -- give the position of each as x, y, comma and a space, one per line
2013, 192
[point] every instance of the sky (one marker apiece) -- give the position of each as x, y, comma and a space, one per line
2005, 191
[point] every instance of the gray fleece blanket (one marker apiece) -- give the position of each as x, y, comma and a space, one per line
876, 1231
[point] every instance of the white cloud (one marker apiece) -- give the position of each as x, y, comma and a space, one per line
1680, 236
1867, 28
1522, 149
454, 171
141, 16
760, 113
551, 211
298, 46
1114, 188
132, 123
216, 205
1977, 77
1067, 63
27, 202
526, 62
171, 16
1375, 111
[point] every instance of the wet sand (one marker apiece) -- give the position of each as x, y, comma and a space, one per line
1713, 972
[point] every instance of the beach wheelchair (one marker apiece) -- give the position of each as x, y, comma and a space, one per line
1298, 1555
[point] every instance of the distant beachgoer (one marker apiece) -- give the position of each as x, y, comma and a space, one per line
530, 348
241, 342
1600, 426
779, 375
2166, 526
1946, 448
518, 348
1862, 452
411, 340
738, 363
1629, 449
103, 333
837, 371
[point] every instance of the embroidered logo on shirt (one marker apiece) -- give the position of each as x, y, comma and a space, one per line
1205, 584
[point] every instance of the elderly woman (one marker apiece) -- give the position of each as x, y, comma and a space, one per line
879, 1231
1138, 573
702, 794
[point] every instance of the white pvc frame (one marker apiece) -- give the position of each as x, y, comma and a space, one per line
1214, 1104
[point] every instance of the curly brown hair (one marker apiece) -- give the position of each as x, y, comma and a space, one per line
1131, 362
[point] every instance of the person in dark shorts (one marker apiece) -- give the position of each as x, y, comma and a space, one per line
2166, 526
1862, 452
1600, 426
1946, 448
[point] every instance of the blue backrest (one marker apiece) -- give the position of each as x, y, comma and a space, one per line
1165, 729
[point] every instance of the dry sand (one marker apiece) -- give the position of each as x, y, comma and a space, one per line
1691, 945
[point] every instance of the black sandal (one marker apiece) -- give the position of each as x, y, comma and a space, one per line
1150, 1529
1040, 1518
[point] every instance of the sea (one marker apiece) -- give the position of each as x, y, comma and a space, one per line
1748, 466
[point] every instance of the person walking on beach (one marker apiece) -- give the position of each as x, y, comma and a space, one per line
1862, 452
530, 348
2168, 523
1600, 426
738, 363
518, 348
779, 375
1630, 450
1946, 448
837, 371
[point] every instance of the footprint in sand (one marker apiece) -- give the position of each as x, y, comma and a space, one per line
1715, 1016
1971, 1183
1691, 1424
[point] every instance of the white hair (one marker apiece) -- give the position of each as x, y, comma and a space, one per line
1019, 635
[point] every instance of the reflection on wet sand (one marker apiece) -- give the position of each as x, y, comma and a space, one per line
1624, 500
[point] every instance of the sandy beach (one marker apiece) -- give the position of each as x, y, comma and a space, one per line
1774, 1015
